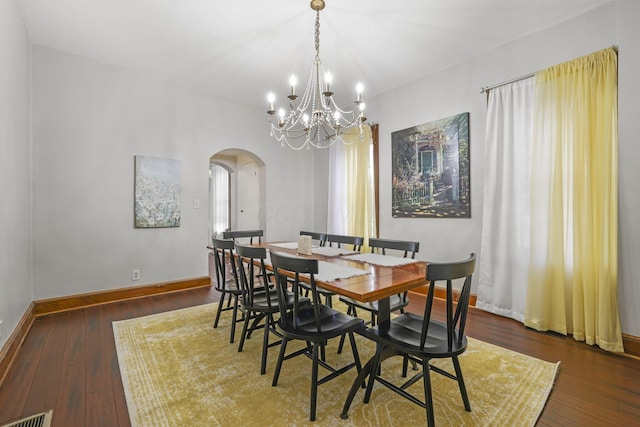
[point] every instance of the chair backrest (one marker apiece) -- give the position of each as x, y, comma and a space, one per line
449, 272
287, 270
224, 257
239, 234
339, 239
321, 238
253, 273
381, 245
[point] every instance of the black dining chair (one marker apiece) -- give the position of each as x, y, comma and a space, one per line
259, 299
319, 238
356, 242
396, 302
244, 234
226, 281
309, 321
421, 339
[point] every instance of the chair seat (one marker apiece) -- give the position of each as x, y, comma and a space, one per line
334, 323
396, 302
404, 334
230, 286
261, 301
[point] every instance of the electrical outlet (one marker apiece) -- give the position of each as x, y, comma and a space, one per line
135, 274
196, 203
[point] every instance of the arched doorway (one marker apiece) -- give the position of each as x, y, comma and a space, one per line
236, 191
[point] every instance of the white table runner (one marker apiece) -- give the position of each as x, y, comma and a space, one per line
382, 260
286, 245
328, 272
329, 251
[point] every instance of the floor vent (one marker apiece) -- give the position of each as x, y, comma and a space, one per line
40, 420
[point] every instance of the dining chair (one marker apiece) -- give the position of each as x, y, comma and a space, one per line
244, 234
226, 281
339, 239
311, 322
320, 238
397, 302
421, 339
259, 299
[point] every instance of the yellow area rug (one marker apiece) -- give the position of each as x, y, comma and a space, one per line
179, 371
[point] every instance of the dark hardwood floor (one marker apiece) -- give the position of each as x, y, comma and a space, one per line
68, 363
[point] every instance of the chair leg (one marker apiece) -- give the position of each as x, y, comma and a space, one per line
374, 371
405, 365
219, 311
234, 318
276, 373
254, 325
463, 389
354, 350
243, 335
351, 310
428, 398
314, 381
265, 344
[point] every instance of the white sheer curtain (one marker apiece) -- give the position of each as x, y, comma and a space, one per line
337, 203
503, 269
351, 204
219, 199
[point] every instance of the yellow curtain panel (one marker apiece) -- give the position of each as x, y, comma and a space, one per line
573, 267
359, 181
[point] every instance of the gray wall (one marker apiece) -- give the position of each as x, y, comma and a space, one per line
15, 168
89, 120
457, 90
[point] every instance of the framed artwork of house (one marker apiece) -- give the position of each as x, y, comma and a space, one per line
430, 169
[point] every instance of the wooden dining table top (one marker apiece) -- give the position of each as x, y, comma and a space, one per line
381, 282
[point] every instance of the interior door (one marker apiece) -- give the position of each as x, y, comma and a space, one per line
248, 196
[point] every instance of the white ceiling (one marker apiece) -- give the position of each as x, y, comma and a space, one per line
242, 49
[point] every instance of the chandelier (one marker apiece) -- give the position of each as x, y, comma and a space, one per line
315, 119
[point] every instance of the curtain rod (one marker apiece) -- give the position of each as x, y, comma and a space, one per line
488, 88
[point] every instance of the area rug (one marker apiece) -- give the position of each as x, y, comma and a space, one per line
179, 371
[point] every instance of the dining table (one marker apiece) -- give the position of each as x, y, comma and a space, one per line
363, 277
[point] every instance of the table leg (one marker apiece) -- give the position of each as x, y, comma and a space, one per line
384, 319
384, 313
359, 381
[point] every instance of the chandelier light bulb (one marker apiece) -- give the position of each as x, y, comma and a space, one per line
271, 98
359, 90
328, 79
293, 81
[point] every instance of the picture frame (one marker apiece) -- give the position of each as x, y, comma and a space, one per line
157, 192
431, 169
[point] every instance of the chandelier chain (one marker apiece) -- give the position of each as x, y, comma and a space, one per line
317, 39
